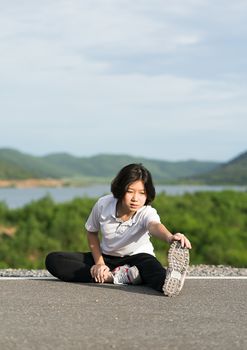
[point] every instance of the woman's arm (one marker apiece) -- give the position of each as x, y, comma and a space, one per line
100, 270
94, 245
159, 230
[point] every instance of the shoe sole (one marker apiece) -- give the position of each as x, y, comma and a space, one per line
178, 262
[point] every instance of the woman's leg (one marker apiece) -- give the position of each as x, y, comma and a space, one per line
70, 267
151, 271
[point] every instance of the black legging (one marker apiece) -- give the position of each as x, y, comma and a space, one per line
75, 267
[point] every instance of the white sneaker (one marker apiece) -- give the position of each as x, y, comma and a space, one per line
126, 275
178, 262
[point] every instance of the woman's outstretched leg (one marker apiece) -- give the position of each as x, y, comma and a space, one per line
69, 266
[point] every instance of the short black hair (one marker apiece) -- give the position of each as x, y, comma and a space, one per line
129, 174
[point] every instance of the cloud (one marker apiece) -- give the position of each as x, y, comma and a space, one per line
44, 33
110, 36
159, 66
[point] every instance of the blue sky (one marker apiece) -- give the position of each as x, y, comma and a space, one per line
160, 79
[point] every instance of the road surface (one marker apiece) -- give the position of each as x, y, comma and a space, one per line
50, 314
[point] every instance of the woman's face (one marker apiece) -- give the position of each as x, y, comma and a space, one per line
135, 197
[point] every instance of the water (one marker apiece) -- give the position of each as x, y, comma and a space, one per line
18, 197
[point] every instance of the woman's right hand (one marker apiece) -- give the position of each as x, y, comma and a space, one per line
100, 272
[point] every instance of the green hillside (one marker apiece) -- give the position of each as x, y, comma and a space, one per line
17, 165
232, 172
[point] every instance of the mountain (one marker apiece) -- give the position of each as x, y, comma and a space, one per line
232, 172
17, 165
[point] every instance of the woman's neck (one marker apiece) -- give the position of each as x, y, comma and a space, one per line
123, 214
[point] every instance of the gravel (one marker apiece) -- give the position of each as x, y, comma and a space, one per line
194, 270
24, 273
216, 270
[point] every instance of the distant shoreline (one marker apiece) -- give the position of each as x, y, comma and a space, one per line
84, 182
29, 183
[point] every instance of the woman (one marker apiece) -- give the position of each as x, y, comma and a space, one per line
125, 254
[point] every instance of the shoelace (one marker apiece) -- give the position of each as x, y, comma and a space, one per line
121, 276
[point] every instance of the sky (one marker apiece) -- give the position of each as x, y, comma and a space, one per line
163, 79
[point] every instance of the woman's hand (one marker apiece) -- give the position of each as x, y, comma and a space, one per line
182, 238
100, 272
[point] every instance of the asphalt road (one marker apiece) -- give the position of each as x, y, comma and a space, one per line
49, 314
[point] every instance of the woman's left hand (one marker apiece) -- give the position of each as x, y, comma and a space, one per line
185, 243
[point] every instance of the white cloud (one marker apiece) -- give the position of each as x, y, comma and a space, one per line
157, 66
43, 33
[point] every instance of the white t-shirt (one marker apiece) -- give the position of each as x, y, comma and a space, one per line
120, 238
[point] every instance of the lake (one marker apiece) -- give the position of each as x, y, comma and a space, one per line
18, 197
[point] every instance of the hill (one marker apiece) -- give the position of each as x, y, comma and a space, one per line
232, 172
17, 165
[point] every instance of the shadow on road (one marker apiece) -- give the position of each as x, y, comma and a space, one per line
141, 289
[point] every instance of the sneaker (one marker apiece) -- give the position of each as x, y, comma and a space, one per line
126, 275
178, 262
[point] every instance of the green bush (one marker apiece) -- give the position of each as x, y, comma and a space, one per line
215, 222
